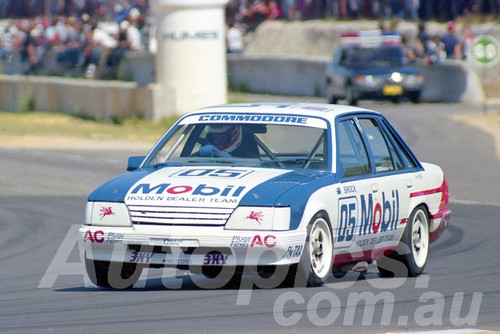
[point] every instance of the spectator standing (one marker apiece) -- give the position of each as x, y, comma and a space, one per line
435, 51
467, 43
32, 50
451, 42
134, 35
422, 40
234, 39
256, 14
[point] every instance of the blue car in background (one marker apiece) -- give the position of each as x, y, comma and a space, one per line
372, 67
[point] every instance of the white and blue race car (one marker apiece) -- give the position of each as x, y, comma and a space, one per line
294, 190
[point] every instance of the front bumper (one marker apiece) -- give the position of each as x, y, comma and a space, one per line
191, 246
386, 92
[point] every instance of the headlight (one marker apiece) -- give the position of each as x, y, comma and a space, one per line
259, 218
107, 214
396, 77
369, 80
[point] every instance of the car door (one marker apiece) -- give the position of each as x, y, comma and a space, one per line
394, 177
355, 191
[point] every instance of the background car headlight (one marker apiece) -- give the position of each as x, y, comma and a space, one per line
396, 77
369, 80
107, 214
259, 218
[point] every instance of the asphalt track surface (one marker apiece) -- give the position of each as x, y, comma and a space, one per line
43, 287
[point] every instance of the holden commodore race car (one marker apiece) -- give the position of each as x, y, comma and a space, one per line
293, 190
372, 66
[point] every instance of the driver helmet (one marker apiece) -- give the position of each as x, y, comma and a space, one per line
226, 138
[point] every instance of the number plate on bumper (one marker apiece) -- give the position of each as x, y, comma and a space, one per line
392, 90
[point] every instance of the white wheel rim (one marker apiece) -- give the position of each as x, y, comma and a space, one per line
420, 238
320, 248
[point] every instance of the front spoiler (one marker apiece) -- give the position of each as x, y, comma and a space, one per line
191, 246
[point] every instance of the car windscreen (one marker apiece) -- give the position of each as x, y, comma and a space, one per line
362, 57
246, 144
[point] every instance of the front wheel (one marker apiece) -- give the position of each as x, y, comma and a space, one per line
115, 275
410, 257
315, 265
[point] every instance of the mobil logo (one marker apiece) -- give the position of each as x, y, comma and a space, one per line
182, 189
360, 216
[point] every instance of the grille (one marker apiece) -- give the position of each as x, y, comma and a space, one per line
164, 215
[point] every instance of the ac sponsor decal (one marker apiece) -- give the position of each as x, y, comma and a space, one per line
99, 237
246, 242
373, 218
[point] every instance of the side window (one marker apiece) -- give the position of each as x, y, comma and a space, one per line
405, 155
384, 153
351, 151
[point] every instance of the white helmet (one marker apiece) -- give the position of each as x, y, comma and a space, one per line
229, 139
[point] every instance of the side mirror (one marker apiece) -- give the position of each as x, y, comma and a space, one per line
134, 163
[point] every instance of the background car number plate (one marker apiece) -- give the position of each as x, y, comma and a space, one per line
392, 90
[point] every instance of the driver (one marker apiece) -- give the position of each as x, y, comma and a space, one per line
222, 141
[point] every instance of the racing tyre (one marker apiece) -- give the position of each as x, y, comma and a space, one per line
114, 275
410, 257
315, 266
349, 96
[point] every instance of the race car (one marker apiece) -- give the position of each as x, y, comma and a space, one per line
289, 190
372, 66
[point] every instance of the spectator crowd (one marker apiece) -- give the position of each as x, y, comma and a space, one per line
92, 36
87, 38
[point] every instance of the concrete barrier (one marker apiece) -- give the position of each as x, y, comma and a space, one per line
452, 81
90, 98
280, 75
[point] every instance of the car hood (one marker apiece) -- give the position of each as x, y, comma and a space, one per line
208, 187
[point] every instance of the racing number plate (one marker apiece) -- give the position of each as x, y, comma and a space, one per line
392, 90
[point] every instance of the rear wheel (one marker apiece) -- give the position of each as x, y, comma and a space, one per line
315, 265
113, 275
410, 257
